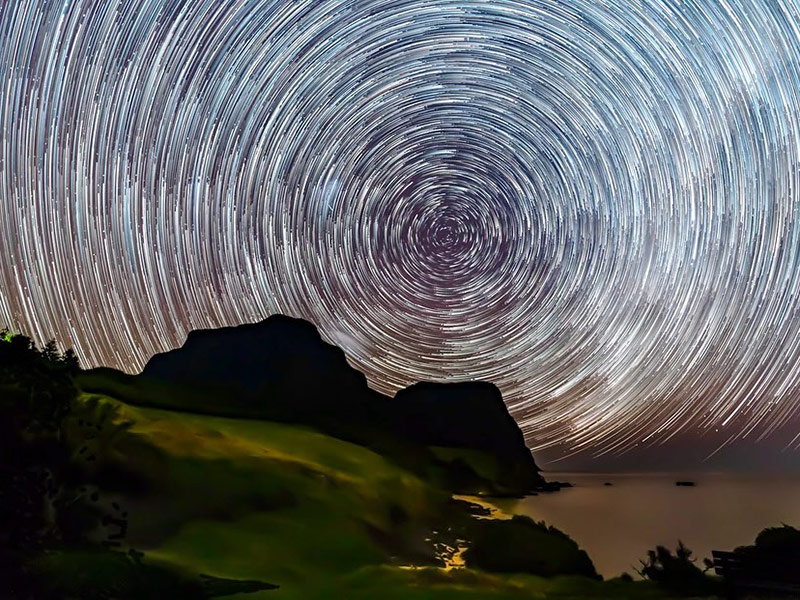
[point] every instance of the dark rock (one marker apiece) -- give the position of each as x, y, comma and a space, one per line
217, 586
475, 510
466, 415
685, 483
280, 365
553, 486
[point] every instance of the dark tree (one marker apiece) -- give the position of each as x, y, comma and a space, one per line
43, 502
676, 572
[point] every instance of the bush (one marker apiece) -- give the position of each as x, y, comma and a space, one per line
676, 572
45, 502
521, 545
36, 392
775, 555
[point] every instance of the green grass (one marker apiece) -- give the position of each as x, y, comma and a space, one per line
142, 392
146, 393
261, 500
344, 476
95, 574
393, 583
322, 518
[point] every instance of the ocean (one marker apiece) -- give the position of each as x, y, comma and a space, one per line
618, 524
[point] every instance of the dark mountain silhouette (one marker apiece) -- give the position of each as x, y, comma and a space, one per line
281, 369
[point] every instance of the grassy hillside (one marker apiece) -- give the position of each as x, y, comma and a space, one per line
249, 497
320, 517
461, 469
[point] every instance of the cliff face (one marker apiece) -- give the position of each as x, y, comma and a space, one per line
281, 369
466, 415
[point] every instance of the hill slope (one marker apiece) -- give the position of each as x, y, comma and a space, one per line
280, 369
320, 517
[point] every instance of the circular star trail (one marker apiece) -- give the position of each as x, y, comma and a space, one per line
593, 204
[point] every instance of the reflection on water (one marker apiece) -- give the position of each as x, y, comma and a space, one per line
617, 524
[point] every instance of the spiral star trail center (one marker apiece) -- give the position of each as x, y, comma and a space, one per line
593, 205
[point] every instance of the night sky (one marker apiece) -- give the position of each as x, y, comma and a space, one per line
593, 204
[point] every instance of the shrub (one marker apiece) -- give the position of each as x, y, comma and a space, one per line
676, 572
775, 554
522, 545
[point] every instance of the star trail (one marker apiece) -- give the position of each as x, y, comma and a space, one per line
593, 204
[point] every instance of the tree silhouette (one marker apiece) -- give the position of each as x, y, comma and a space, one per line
677, 572
44, 503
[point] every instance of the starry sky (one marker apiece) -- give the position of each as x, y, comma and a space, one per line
593, 204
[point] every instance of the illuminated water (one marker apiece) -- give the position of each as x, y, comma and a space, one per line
617, 525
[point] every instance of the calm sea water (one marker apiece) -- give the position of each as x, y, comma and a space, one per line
617, 525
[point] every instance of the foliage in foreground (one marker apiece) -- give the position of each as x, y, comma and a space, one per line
522, 545
678, 572
775, 555
41, 503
